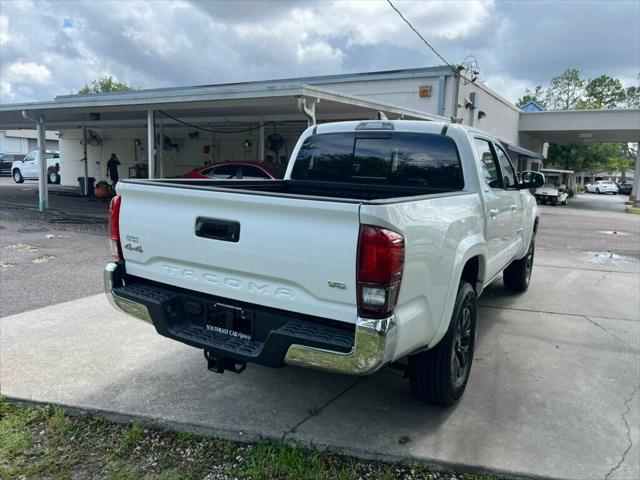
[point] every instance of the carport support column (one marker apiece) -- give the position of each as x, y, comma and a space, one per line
151, 158
161, 147
85, 161
635, 193
261, 146
43, 193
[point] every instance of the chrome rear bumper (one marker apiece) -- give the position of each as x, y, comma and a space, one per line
113, 277
374, 343
374, 347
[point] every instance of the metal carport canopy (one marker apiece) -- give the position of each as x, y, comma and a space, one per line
239, 103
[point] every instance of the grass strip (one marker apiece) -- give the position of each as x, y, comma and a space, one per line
47, 443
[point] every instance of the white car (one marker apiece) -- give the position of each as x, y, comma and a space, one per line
371, 251
28, 167
602, 186
550, 193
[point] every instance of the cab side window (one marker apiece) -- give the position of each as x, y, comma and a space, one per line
509, 178
31, 157
223, 172
488, 165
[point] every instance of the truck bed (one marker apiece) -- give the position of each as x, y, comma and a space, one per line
322, 190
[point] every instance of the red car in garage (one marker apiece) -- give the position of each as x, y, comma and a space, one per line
238, 171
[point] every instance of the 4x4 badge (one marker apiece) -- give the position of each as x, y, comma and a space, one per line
137, 248
339, 285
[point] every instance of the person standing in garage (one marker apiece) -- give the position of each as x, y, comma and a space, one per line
112, 169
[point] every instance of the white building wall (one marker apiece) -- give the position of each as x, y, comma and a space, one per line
501, 116
399, 92
13, 144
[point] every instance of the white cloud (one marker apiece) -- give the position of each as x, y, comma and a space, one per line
4, 29
29, 73
6, 94
161, 43
319, 52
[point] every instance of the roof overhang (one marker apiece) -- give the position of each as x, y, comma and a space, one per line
210, 104
521, 151
555, 170
582, 126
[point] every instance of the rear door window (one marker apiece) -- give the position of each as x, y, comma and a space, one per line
250, 172
509, 178
398, 159
488, 163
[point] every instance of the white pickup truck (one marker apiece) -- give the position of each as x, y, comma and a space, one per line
370, 252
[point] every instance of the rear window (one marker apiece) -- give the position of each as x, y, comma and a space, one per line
401, 159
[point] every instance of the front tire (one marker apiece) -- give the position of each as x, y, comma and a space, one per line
517, 275
439, 376
17, 176
597, 190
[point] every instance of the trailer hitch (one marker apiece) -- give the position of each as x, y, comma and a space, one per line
218, 364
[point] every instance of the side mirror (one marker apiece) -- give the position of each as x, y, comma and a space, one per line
531, 180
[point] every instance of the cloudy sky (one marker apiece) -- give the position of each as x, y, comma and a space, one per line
50, 48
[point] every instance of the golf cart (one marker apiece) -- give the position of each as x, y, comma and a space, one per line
552, 193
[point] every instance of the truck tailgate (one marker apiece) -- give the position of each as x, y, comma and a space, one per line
289, 253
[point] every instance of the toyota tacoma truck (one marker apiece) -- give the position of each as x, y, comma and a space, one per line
371, 252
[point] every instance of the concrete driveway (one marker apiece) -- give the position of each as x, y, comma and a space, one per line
553, 390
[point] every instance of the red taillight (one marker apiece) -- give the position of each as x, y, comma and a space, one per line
114, 227
380, 262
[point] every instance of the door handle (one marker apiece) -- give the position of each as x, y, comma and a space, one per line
218, 229
493, 212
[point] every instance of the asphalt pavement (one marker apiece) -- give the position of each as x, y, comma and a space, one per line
554, 389
52, 257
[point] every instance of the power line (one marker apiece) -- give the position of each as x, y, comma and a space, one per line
421, 37
455, 70
211, 130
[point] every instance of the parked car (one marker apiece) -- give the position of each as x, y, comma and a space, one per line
602, 186
5, 164
28, 167
553, 194
371, 251
237, 171
625, 187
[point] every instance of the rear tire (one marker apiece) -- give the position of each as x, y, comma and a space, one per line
597, 190
53, 177
439, 376
17, 176
517, 275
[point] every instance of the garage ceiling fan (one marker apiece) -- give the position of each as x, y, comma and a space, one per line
93, 138
275, 142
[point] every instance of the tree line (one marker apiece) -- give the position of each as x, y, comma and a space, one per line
570, 91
